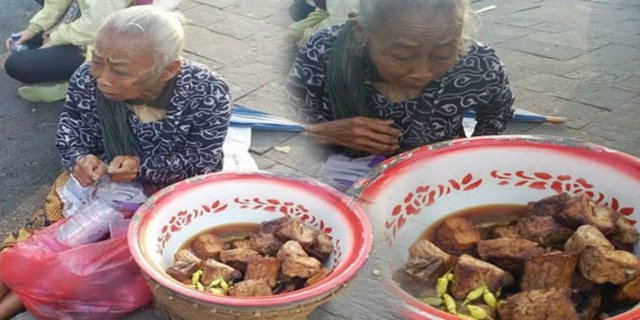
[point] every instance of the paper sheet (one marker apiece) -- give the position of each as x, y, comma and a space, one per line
236, 150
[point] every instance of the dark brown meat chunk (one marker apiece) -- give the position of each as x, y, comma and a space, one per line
272, 225
508, 231
600, 265
625, 232
323, 273
510, 254
537, 305
214, 270
238, 258
263, 268
301, 267
426, 263
425, 249
548, 206
182, 270
297, 231
586, 297
266, 244
251, 288
544, 230
629, 293
586, 235
207, 246
547, 271
457, 236
322, 248
470, 273
241, 244
581, 210
291, 248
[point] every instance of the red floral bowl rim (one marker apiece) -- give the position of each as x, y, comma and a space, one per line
353, 260
371, 184
368, 187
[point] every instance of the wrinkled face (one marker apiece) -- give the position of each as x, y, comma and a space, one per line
123, 70
414, 48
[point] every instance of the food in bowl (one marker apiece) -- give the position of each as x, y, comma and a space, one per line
250, 259
562, 257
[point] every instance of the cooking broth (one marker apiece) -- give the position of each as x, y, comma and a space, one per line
235, 231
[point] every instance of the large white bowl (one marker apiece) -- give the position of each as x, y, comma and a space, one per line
411, 191
180, 211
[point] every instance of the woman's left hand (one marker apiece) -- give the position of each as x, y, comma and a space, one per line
124, 168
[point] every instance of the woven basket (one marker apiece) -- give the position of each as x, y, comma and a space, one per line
173, 306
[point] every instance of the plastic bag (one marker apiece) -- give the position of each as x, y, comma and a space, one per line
95, 281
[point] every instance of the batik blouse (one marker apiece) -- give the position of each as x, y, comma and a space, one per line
476, 82
186, 142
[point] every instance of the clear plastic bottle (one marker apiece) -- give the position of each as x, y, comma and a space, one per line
87, 226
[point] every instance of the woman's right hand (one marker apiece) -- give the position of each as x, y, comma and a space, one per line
25, 35
370, 135
89, 169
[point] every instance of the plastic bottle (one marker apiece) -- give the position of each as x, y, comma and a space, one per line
15, 48
87, 226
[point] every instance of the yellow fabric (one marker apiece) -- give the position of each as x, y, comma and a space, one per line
43, 217
48, 15
83, 31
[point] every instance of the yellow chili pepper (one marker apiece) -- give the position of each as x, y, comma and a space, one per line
218, 292
215, 283
465, 317
224, 285
474, 294
195, 278
199, 286
450, 304
477, 312
449, 276
489, 298
441, 286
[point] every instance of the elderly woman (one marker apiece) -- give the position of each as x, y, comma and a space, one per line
397, 77
136, 112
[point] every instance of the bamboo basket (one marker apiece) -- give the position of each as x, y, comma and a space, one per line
170, 305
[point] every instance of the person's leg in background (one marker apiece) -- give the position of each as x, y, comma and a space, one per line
50, 67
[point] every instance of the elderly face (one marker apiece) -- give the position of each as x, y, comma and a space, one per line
123, 70
414, 48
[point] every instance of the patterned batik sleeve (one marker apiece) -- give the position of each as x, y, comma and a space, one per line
307, 79
493, 118
203, 134
78, 133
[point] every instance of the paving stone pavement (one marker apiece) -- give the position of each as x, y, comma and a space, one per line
574, 58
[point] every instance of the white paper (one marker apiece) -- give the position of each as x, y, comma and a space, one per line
236, 150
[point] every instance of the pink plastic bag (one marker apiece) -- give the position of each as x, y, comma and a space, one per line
95, 281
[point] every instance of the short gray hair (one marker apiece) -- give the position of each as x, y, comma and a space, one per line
375, 12
161, 28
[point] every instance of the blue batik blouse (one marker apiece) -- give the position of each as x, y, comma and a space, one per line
187, 142
477, 82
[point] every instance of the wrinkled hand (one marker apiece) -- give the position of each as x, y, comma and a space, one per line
124, 168
370, 135
89, 169
25, 35
45, 41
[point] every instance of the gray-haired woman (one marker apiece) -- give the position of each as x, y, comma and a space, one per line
136, 112
397, 77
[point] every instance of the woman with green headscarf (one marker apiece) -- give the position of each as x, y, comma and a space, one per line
397, 77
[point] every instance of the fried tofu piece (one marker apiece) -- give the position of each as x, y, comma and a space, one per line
508, 231
470, 273
601, 264
291, 248
457, 236
265, 243
207, 246
186, 255
322, 248
547, 271
625, 232
241, 244
510, 254
301, 267
550, 304
251, 288
297, 231
548, 206
182, 270
263, 268
214, 269
238, 258
629, 293
323, 273
580, 210
272, 225
586, 235
544, 230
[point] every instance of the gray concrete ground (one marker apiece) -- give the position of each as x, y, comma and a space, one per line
574, 58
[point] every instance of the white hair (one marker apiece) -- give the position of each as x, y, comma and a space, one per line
151, 25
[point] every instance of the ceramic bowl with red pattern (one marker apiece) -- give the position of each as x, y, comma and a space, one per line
407, 193
175, 214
